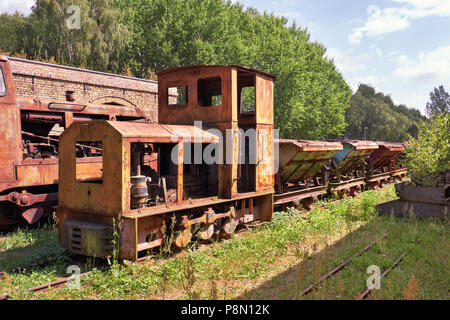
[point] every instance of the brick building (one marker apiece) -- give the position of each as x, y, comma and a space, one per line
35, 79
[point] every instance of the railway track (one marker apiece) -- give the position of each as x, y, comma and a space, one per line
337, 269
367, 292
340, 267
63, 281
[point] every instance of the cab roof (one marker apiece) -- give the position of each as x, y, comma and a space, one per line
239, 68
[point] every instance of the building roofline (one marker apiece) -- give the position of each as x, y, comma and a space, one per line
78, 69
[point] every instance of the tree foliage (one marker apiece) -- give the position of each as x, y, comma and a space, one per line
44, 34
141, 37
376, 111
440, 102
428, 155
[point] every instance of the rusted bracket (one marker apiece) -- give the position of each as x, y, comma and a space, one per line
209, 217
26, 199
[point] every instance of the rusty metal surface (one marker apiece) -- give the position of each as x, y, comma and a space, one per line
296, 195
386, 154
28, 157
163, 133
104, 200
353, 155
194, 69
301, 159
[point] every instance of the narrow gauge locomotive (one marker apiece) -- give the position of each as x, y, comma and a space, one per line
188, 192
29, 148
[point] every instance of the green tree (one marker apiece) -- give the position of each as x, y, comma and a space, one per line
310, 95
440, 102
384, 120
141, 37
44, 34
428, 155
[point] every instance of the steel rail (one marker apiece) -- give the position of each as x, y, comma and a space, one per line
63, 281
57, 283
366, 293
338, 268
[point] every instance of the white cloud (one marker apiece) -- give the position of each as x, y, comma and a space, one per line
346, 62
11, 6
431, 66
382, 21
370, 79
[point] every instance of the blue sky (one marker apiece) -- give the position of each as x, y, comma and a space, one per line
401, 47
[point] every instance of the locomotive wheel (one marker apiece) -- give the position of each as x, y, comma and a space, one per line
230, 226
206, 231
183, 239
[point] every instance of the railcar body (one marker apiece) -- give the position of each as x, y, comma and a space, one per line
303, 174
29, 132
349, 167
384, 164
213, 148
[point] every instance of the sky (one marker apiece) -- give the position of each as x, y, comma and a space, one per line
401, 47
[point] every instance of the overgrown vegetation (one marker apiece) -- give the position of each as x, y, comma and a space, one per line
428, 155
273, 261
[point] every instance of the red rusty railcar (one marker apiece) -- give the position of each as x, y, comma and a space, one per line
384, 164
349, 167
29, 130
303, 175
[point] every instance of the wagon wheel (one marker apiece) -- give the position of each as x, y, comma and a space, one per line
296, 204
229, 226
374, 185
206, 231
308, 203
183, 238
341, 194
353, 191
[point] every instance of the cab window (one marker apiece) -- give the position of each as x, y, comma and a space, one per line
2, 83
180, 99
209, 92
247, 104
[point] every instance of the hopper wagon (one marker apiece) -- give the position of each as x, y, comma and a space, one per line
349, 166
384, 164
302, 174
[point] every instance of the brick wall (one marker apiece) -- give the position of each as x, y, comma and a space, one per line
49, 81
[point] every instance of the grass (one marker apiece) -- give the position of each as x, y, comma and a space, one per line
274, 261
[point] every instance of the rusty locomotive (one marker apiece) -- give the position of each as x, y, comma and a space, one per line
211, 162
29, 132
